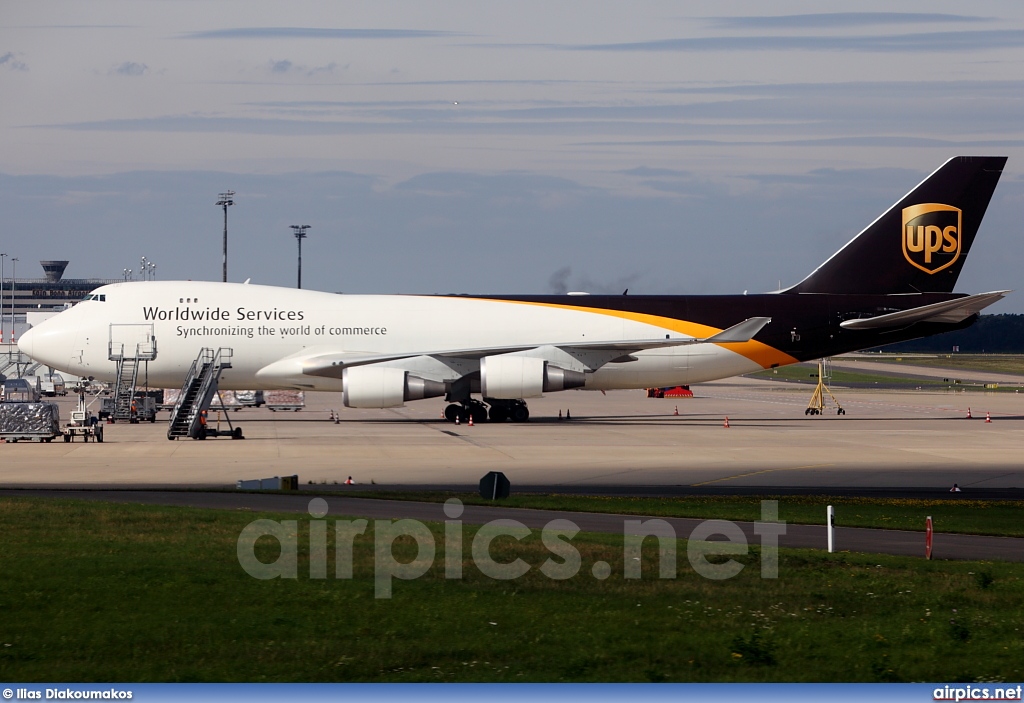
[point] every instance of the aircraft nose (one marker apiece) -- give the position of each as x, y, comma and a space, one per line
25, 342
48, 344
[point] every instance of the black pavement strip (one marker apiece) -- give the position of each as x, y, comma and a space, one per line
853, 539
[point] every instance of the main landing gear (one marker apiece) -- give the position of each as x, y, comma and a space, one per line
499, 411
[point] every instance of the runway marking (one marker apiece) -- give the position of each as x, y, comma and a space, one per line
763, 471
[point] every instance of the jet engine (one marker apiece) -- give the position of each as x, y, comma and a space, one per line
524, 377
384, 387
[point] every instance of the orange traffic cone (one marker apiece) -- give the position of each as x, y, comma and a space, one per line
677, 411
471, 419
331, 418
457, 421
568, 414
559, 413
726, 423
969, 413
988, 417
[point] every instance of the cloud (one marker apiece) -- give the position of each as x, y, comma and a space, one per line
647, 172
316, 33
286, 66
12, 62
129, 68
894, 43
878, 140
985, 114
519, 185
839, 20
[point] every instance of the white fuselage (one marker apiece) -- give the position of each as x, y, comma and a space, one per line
273, 331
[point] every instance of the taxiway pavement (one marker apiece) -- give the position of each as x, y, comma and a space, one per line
888, 440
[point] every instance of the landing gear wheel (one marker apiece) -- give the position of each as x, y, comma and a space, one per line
451, 412
498, 413
520, 413
479, 414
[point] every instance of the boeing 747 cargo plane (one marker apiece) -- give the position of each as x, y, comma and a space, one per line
890, 283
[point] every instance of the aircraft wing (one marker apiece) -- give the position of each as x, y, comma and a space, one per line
331, 365
951, 311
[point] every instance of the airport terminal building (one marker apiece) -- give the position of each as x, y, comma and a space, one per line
49, 293
53, 292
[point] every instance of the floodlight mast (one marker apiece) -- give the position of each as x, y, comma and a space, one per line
300, 234
14, 280
225, 200
2, 257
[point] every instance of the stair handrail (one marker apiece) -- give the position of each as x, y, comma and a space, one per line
189, 378
219, 361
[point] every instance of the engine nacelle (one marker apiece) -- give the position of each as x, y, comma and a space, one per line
512, 377
384, 387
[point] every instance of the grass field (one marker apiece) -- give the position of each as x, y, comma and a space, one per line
799, 373
1009, 363
104, 592
952, 514
841, 377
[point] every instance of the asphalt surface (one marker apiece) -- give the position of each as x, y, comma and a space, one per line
622, 441
873, 541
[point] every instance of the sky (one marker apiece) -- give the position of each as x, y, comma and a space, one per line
486, 147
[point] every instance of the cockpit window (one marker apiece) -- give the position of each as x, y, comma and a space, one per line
93, 296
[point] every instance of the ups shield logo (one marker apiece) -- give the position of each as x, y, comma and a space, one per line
931, 236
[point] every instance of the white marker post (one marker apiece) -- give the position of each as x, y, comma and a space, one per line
831, 530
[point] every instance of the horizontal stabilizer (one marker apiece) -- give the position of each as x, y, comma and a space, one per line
950, 311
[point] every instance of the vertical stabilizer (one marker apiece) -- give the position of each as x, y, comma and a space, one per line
919, 244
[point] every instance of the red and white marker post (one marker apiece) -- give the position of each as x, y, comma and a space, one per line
928, 532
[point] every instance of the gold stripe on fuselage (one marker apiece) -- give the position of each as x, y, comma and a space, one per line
760, 353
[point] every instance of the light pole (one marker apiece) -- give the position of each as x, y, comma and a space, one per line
224, 201
14, 271
2, 257
300, 234
147, 270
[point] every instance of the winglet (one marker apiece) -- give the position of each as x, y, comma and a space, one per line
743, 332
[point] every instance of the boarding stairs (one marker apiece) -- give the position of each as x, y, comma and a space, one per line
197, 393
124, 387
18, 365
129, 347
